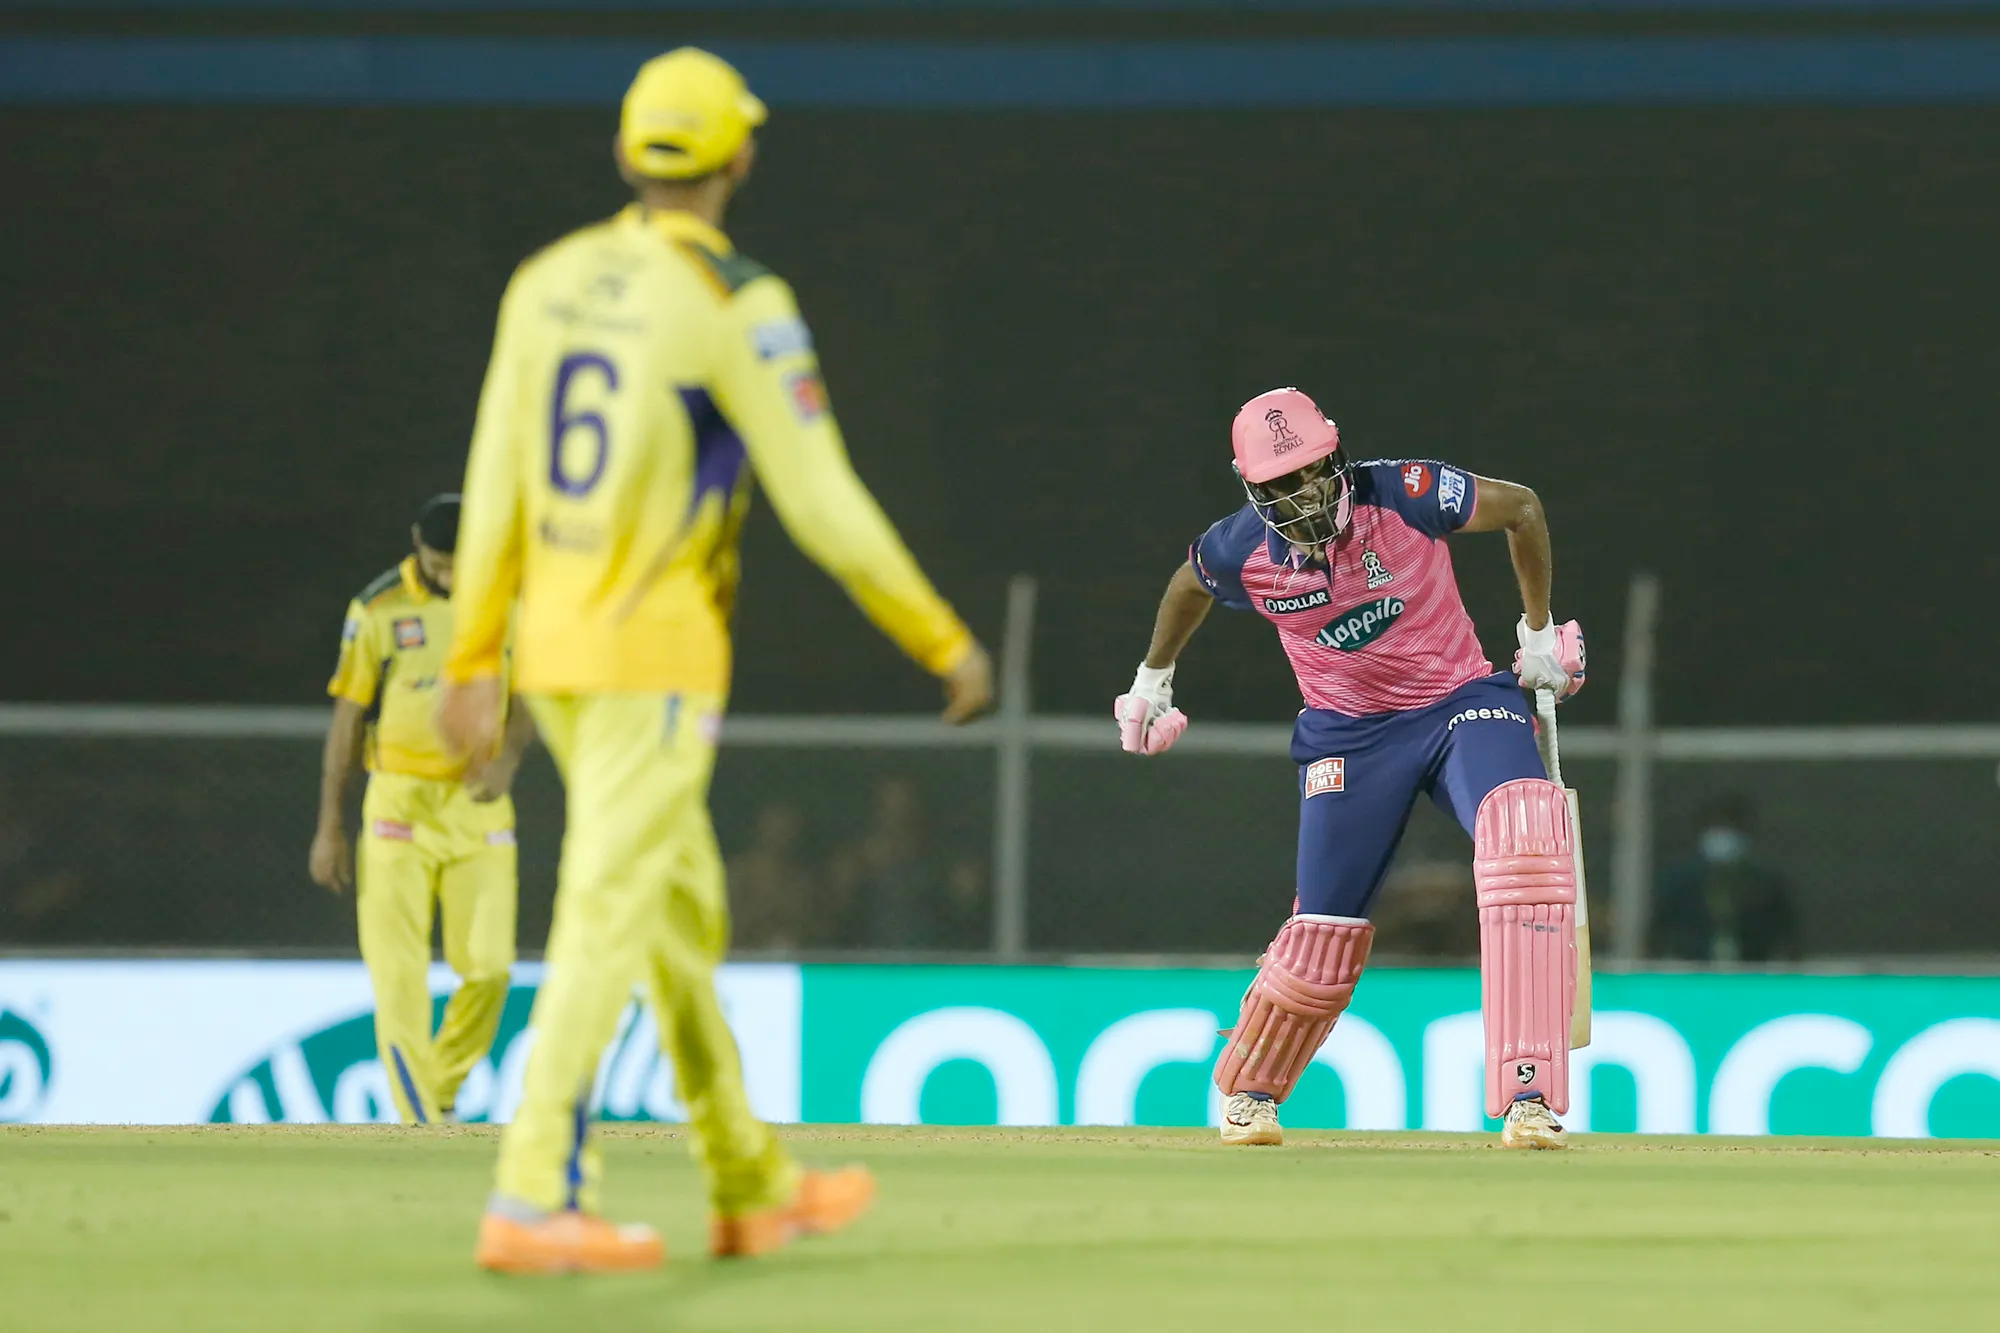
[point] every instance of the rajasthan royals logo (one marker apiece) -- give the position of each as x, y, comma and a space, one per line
1371, 564
1283, 438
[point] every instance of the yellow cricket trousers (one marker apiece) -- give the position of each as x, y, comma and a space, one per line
639, 900
426, 844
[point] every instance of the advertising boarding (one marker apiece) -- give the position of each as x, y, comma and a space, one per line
188, 1041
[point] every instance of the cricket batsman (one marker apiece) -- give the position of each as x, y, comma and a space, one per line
642, 371
1348, 561
437, 832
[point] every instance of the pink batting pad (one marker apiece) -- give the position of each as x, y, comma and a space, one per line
1524, 870
1303, 984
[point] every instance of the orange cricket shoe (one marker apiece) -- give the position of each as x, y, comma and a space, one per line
567, 1242
826, 1201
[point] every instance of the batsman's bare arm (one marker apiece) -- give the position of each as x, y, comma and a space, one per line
331, 861
1182, 609
1517, 511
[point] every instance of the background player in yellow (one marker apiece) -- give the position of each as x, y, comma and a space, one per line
641, 370
434, 833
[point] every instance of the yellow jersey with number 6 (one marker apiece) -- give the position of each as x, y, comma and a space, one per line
641, 371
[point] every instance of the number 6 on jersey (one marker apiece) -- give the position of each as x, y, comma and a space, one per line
565, 423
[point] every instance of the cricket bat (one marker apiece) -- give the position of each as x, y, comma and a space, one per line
1545, 738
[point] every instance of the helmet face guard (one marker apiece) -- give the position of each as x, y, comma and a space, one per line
1309, 507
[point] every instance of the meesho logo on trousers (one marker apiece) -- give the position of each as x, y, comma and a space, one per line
1359, 626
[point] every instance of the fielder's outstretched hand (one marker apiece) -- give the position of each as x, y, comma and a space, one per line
1550, 658
968, 687
1148, 722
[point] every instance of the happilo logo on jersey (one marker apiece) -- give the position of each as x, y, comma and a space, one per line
1359, 626
26, 1069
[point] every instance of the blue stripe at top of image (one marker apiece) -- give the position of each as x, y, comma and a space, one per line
1453, 71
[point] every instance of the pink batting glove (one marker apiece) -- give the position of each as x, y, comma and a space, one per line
1148, 722
1139, 735
1550, 658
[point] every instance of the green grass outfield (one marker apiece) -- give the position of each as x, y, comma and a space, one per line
293, 1230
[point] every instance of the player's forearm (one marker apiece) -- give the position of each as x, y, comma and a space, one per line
340, 761
520, 732
1183, 608
1534, 564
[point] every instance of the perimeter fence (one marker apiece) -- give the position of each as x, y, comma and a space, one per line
1022, 836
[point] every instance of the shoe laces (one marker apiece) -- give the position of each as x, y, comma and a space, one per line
1535, 1111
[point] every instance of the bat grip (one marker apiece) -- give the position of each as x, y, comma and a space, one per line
1545, 735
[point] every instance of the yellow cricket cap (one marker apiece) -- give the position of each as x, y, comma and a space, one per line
686, 114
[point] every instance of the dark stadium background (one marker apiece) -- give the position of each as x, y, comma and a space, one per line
1749, 348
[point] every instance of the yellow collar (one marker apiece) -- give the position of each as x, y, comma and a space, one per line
413, 582
675, 225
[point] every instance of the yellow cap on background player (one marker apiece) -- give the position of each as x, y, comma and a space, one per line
686, 114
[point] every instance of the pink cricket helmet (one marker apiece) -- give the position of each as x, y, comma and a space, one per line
1280, 431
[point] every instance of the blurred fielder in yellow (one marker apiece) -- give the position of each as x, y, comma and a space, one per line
642, 370
435, 837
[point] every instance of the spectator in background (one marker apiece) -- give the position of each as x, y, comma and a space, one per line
68, 874
1428, 910
774, 898
43, 900
901, 891
884, 877
1721, 904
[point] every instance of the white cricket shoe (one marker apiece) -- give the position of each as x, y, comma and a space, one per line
1531, 1124
1248, 1120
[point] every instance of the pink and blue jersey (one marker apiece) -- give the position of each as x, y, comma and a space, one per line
1380, 627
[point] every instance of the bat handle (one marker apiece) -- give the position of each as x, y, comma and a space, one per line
1545, 735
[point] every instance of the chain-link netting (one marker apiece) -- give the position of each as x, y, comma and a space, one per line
201, 843
1196, 854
